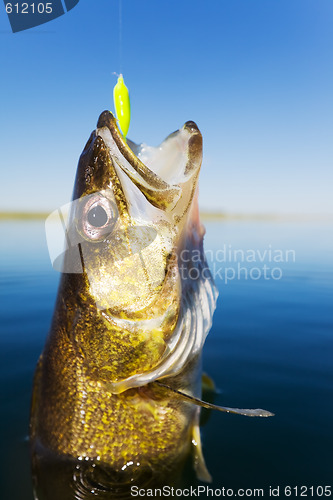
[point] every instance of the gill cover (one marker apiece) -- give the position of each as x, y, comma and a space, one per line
146, 282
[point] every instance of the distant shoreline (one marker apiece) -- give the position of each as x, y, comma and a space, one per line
23, 215
269, 217
205, 216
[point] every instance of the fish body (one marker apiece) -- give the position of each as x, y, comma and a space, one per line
135, 303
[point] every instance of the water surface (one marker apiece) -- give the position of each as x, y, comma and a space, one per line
271, 346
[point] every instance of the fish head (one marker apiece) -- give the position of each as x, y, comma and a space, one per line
134, 212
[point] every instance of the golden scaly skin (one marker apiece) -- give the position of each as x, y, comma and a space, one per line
99, 335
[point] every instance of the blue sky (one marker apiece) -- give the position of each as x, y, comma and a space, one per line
255, 75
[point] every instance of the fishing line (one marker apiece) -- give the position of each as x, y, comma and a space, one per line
120, 37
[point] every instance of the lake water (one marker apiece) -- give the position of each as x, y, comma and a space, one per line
271, 347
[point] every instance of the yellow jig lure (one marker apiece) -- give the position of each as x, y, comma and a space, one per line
122, 105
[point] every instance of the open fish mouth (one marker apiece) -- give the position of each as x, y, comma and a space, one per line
158, 172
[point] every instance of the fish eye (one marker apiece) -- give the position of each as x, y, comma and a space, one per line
98, 217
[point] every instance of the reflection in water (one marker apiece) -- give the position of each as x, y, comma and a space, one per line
58, 478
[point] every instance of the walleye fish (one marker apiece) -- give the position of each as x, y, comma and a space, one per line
134, 306
133, 309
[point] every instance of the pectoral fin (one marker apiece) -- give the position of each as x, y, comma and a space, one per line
258, 412
207, 383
